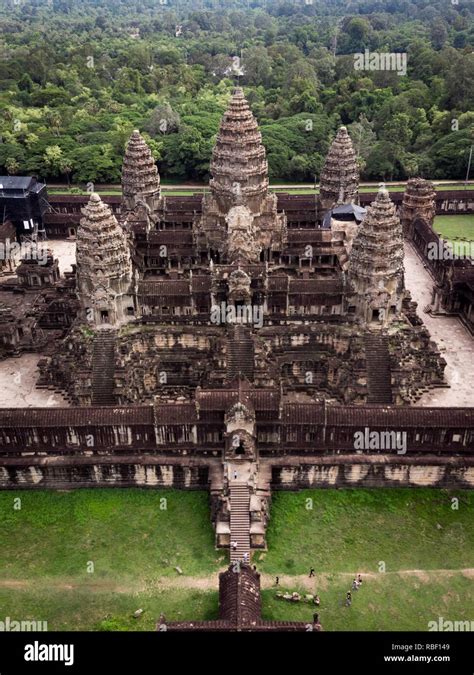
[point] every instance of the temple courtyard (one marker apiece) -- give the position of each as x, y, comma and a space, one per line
95, 557
18, 376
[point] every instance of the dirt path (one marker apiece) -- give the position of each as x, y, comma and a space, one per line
210, 582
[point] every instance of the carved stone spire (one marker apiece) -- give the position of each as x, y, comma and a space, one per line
104, 268
239, 192
140, 177
340, 175
376, 273
239, 166
418, 201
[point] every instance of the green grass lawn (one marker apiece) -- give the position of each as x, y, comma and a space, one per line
303, 190
124, 532
81, 608
386, 602
455, 226
135, 546
352, 530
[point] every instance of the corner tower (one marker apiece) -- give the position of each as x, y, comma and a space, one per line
140, 177
104, 268
418, 202
339, 183
376, 274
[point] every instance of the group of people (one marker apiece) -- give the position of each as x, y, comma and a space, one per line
356, 584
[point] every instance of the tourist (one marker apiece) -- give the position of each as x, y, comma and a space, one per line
235, 475
359, 579
246, 558
311, 572
277, 581
348, 599
317, 600
234, 545
355, 584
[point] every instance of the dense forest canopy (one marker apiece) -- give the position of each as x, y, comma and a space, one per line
77, 76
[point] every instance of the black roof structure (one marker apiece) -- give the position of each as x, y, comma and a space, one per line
344, 212
22, 200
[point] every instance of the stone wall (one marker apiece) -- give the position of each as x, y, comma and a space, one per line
70, 472
293, 473
382, 471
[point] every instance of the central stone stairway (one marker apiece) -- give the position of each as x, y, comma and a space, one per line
379, 374
239, 520
240, 353
103, 368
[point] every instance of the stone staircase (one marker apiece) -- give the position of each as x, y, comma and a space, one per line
103, 368
379, 374
239, 520
240, 353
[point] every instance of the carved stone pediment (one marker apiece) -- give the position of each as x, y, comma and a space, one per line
239, 285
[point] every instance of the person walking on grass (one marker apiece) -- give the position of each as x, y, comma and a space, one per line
316, 623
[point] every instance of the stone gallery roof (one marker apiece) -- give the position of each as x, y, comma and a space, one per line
78, 417
423, 228
315, 286
463, 275
239, 607
377, 416
221, 399
239, 596
175, 413
159, 289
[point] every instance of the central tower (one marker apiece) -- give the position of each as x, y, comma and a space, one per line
239, 187
239, 166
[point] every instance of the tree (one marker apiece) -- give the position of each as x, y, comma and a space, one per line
25, 83
53, 158
12, 165
363, 137
66, 167
163, 120
257, 66
439, 34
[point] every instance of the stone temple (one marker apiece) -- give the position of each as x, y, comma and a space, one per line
236, 342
